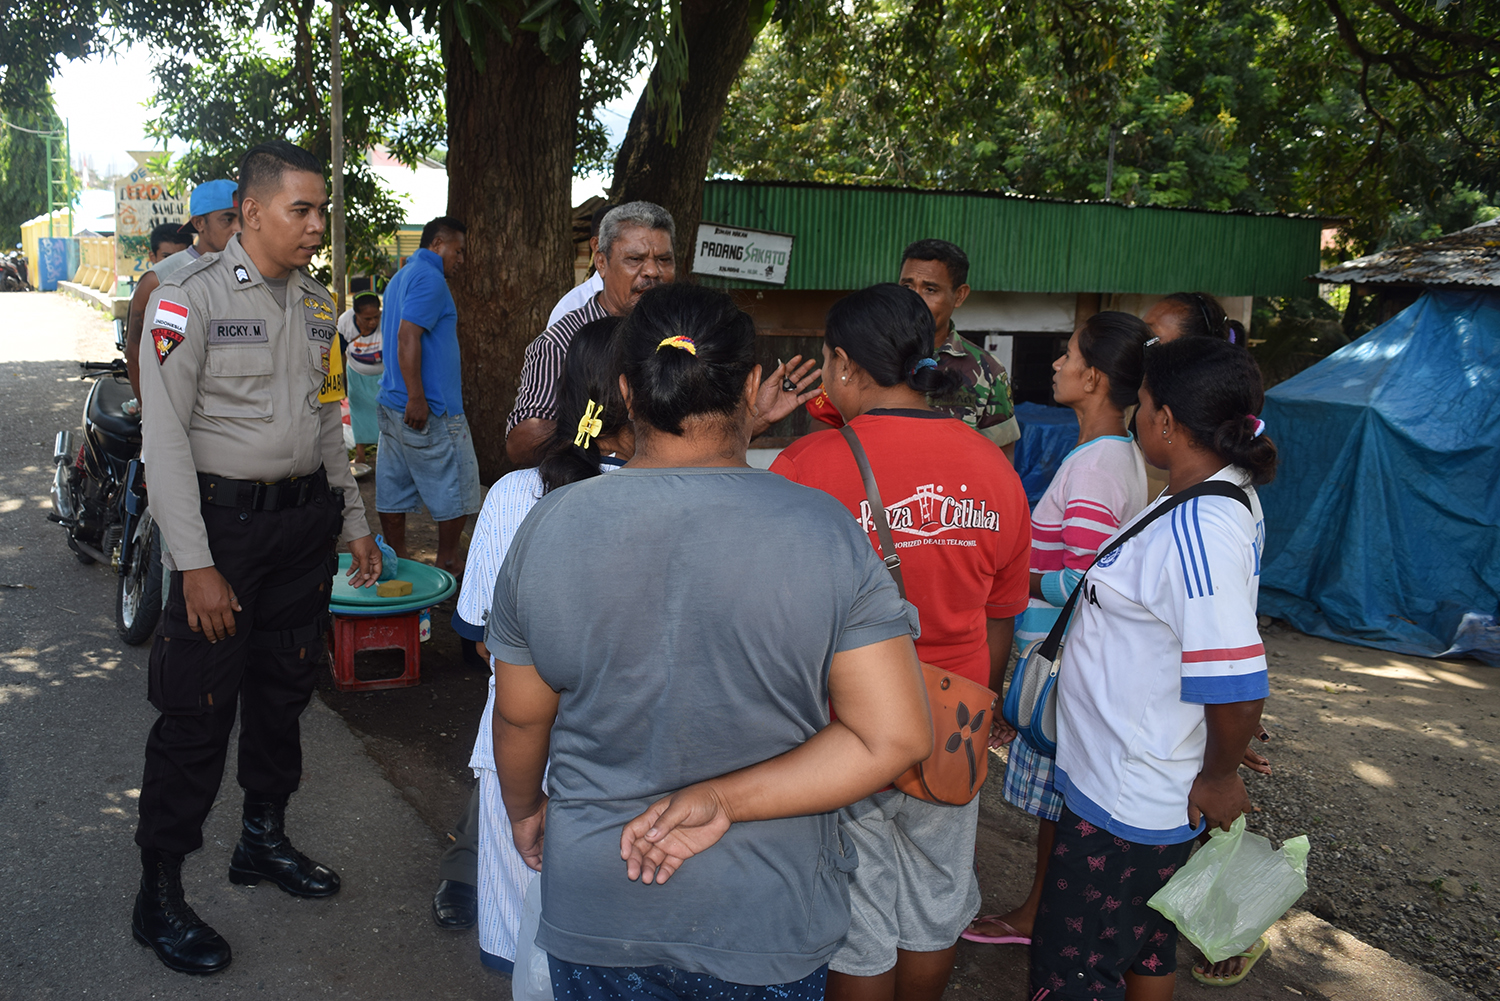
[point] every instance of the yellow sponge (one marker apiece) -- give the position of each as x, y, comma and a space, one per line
393, 588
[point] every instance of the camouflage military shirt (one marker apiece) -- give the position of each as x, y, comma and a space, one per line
983, 401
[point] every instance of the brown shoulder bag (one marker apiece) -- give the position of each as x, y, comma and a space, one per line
960, 708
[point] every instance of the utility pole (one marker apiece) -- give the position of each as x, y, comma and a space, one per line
339, 278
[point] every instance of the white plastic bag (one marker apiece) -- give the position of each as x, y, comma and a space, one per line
532, 980
1233, 889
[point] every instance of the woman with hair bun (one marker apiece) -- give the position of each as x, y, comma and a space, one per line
1162, 681
670, 639
958, 515
1100, 485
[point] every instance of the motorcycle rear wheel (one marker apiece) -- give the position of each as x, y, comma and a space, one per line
138, 600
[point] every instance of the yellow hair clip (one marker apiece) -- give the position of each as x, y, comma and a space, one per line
679, 341
589, 425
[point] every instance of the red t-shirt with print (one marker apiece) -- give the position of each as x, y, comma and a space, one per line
958, 514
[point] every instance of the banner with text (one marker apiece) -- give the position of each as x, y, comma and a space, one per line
749, 254
142, 202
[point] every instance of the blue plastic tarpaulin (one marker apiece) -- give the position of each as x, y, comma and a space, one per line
1383, 523
1048, 434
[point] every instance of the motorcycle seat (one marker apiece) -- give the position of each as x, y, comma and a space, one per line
104, 408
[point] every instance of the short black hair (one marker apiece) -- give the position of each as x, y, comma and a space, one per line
170, 232
950, 255
442, 224
365, 298
264, 164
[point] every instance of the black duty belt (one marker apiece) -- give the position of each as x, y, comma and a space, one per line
220, 491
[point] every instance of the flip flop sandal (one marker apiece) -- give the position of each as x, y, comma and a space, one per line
1250, 956
1010, 936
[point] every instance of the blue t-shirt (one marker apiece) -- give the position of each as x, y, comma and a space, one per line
419, 294
697, 640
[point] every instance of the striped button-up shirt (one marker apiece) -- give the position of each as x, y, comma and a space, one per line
536, 396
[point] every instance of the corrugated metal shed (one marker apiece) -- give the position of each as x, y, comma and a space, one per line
850, 237
1469, 257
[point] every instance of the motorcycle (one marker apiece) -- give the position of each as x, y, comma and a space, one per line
14, 276
99, 496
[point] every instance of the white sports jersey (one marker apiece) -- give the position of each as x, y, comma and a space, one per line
1166, 625
575, 297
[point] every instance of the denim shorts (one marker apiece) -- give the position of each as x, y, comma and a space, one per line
435, 467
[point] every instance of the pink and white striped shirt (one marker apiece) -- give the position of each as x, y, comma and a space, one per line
1100, 485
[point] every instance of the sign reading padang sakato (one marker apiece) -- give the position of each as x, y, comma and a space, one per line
749, 254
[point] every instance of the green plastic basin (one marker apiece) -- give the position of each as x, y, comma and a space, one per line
429, 585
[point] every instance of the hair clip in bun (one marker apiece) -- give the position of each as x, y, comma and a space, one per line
1154, 340
923, 363
1260, 425
681, 342
589, 425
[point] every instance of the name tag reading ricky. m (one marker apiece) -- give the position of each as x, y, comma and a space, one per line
237, 332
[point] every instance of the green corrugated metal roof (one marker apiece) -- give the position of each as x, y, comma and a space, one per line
850, 237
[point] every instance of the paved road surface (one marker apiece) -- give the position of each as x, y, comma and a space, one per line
73, 722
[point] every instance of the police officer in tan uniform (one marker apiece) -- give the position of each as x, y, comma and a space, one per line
240, 380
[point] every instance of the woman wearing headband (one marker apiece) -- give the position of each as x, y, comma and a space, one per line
669, 640
1162, 680
1193, 314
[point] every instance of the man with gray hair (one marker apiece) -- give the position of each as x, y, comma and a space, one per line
635, 254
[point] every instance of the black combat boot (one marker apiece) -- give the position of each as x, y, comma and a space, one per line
165, 922
265, 853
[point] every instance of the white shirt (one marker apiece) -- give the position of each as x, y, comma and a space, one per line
364, 349
505, 507
576, 297
1166, 625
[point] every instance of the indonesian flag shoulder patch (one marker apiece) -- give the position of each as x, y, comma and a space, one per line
172, 315
166, 342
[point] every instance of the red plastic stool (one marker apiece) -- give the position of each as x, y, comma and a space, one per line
353, 633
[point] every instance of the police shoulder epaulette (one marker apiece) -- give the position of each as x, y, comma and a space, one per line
188, 270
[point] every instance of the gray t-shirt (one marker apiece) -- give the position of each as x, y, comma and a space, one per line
688, 618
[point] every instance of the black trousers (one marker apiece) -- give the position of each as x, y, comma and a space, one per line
460, 862
280, 565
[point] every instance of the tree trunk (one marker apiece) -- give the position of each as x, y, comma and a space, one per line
648, 166
510, 174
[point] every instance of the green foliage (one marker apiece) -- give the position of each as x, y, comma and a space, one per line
1288, 335
1386, 114
23, 168
236, 95
617, 40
